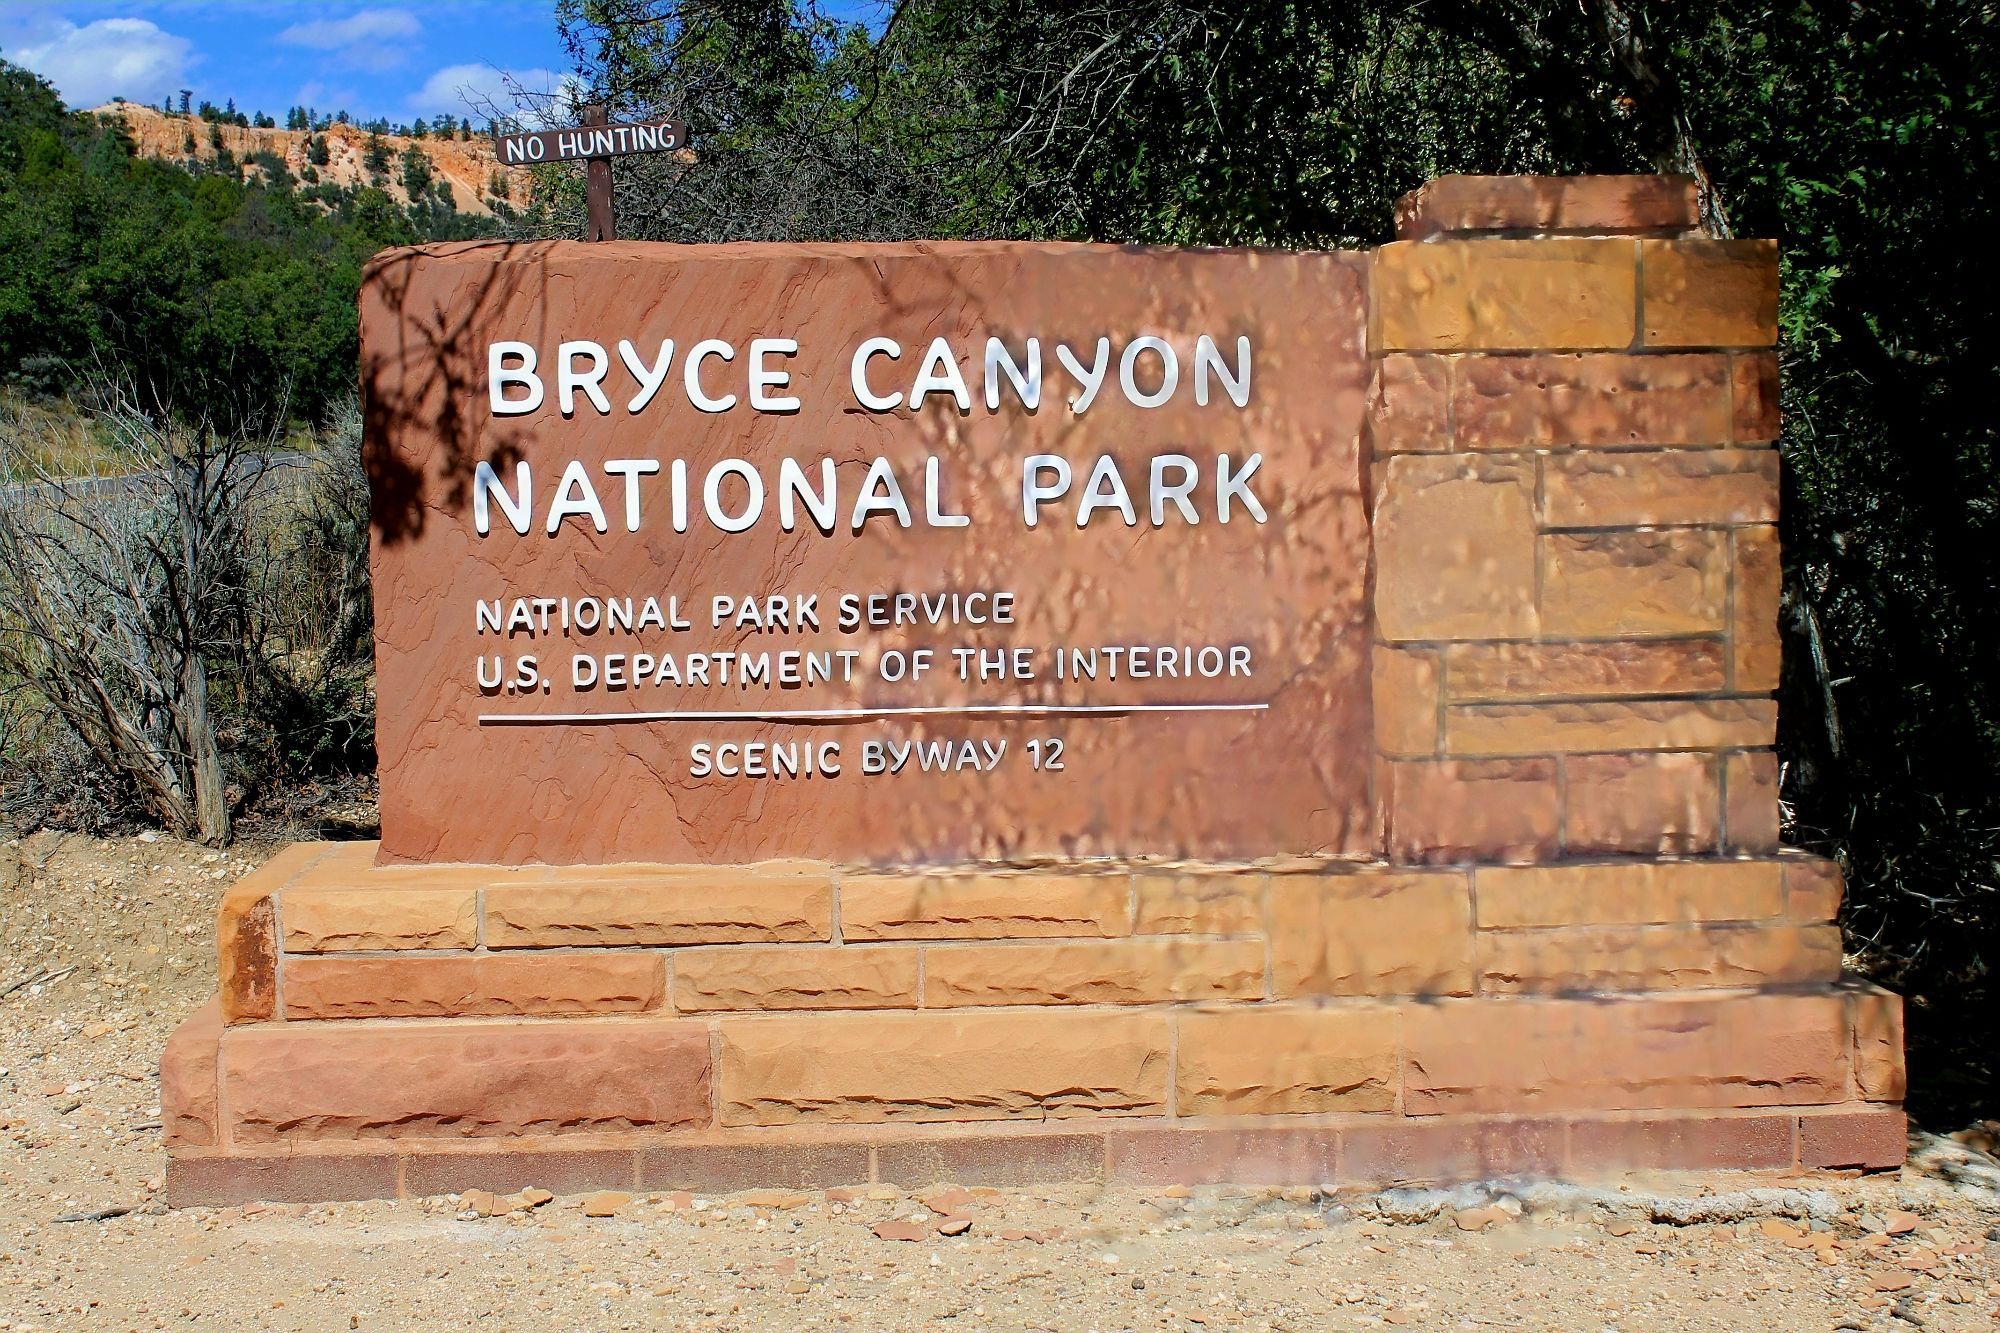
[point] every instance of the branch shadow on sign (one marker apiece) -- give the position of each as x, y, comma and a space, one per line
420, 359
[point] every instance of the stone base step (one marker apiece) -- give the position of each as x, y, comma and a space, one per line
1356, 1092
1344, 1152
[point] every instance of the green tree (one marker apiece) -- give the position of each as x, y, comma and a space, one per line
416, 172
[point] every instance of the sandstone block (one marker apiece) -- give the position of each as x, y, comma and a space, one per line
1753, 632
1609, 1053
463, 1079
1406, 700
473, 985
783, 1162
1401, 1151
331, 920
1590, 400
246, 935
795, 977
1682, 1143
1814, 888
984, 906
1593, 204
952, 1065
1598, 959
1660, 488
1497, 295
1455, 548
1877, 1016
1631, 583
282, 1177
1574, 728
498, 1168
1371, 934
1197, 904
1653, 804
1132, 971
1753, 378
1702, 293
1461, 810
1873, 1140
1277, 1061
994, 1159
665, 905
1409, 403
188, 1080
1750, 802
1477, 672
1629, 893
1278, 1154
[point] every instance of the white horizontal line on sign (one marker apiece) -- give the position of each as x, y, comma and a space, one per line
835, 714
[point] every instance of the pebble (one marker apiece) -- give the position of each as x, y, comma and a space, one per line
1478, 1219
946, 1201
897, 1228
605, 1203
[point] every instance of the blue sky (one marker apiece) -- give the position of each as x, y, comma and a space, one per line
396, 61
388, 60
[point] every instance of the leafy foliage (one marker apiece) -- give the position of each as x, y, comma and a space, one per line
230, 299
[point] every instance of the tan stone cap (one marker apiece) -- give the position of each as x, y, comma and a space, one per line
1577, 205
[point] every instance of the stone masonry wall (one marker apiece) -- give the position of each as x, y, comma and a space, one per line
1575, 489
1580, 948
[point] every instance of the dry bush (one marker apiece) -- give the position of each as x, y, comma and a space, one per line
184, 626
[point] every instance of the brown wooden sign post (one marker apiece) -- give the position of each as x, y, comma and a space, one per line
594, 142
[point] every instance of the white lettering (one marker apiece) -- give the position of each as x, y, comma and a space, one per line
650, 377
793, 485
1170, 374
857, 374
1207, 358
691, 374
1033, 492
1228, 486
568, 381
486, 487
763, 378
939, 373
499, 375
711, 495
1092, 379
576, 496
632, 469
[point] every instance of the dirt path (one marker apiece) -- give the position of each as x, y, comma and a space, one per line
122, 929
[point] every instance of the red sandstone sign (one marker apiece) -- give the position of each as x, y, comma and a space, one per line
870, 553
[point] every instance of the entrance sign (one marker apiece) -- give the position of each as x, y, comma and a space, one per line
1014, 712
880, 553
532, 147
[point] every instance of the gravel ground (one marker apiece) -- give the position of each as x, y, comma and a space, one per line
120, 931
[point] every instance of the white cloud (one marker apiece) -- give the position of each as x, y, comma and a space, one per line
370, 38
107, 58
483, 90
